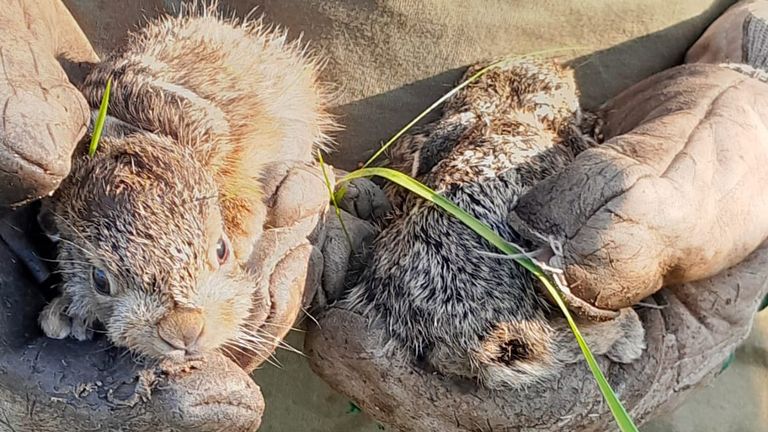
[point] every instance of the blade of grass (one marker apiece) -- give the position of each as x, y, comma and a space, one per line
100, 119
623, 420
334, 201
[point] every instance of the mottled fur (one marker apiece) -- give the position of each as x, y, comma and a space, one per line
440, 292
199, 106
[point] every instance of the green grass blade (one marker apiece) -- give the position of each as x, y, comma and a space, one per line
100, 119
334, 201
623, 420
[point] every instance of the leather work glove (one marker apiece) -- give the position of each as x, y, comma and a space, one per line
675, 197
677, 191
43, 114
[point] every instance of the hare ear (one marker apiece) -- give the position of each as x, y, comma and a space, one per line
47, 222
515, 354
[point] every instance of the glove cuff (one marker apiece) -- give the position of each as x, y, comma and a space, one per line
755, 41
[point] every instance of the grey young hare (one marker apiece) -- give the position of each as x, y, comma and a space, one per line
444, 296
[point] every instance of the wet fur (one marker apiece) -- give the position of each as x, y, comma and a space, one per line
441, 293
200, 105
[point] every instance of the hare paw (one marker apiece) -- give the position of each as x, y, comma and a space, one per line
630, 346
57, 324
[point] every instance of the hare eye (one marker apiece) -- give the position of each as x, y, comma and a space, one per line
100, 281
222, 251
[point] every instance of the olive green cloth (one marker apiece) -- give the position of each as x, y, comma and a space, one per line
389, 59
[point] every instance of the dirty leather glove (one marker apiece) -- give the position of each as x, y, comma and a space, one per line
83, 386
43, 115
677, 191
675, 196
689, 334
737, 36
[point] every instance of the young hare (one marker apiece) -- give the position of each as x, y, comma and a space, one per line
155, 228
440, 292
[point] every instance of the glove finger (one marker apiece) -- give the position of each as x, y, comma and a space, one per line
288, 265
43, 115
735, 37
293, 281
365, 200
344, 252
677, 171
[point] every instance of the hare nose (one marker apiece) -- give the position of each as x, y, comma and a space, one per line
182, 329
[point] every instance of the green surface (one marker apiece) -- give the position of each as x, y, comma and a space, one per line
297, 400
